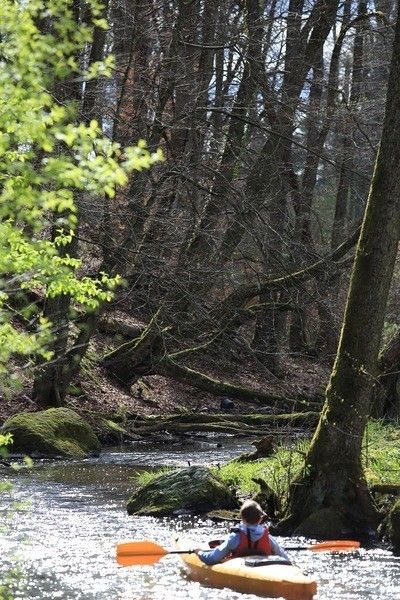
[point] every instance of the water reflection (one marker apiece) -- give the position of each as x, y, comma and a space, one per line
65, 540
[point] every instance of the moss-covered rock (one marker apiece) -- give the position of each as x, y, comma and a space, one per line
393, 526
195, 489
108, 431
324, 524
53, 432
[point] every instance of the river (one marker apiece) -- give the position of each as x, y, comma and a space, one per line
62, 538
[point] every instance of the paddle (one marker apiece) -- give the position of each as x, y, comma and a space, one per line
143, 553
329, 546
148, 553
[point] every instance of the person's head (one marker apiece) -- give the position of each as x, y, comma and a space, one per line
251, 512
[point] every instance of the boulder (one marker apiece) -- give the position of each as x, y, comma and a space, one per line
193, 489
52, 433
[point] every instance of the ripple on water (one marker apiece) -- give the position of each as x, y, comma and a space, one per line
64, 541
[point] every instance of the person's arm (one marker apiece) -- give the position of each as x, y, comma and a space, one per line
277, 549
216, 555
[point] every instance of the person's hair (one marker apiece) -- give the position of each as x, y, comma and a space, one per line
251, 512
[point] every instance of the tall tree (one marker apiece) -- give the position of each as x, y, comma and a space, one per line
245, 99
47, 160
333, 476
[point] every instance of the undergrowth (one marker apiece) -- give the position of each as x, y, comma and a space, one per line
381, 453
277, 470
380, 458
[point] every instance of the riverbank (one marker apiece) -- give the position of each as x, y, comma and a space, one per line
267, 479
381, 457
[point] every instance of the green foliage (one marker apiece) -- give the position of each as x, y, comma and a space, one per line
9, 582
145, 477
381, 453
5, 440
276, 470
45, 159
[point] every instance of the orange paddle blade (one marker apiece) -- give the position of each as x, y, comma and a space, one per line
132, 560
139, 553
335, 546
143, 553
329, 546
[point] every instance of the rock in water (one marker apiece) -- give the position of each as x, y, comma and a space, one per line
51, 433
194, 489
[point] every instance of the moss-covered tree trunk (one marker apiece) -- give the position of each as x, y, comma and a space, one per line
333, 476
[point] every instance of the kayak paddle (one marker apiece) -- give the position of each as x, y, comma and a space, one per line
143, 553
148, 553
329, 546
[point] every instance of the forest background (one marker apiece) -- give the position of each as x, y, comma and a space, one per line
235, 250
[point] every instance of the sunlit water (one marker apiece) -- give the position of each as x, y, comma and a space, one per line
63, 539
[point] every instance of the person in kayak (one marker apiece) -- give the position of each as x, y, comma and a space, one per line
250, 538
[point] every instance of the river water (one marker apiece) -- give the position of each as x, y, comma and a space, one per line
62, 538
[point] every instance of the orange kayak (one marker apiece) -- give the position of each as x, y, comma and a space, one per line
251, 575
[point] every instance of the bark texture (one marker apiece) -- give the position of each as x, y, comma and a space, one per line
333, 475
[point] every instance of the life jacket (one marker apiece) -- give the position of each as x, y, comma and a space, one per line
249, 548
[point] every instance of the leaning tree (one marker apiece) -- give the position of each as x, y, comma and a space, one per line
333, 476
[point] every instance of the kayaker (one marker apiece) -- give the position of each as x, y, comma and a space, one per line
249, 538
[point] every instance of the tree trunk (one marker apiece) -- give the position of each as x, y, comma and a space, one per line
53, 377
49, 386
267, 333
333, 476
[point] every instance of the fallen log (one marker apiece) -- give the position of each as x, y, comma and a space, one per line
247, 424
169, 368
145, 355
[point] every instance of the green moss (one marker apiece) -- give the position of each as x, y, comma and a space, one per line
193, 488
112, 426
380, 459
57, 431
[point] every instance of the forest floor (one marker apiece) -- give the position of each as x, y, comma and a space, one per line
94, 392
157, 395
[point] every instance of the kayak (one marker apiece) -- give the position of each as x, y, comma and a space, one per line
261, 575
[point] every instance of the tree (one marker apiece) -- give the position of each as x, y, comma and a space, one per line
233, 202
251, 103
45, 158
333, 475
